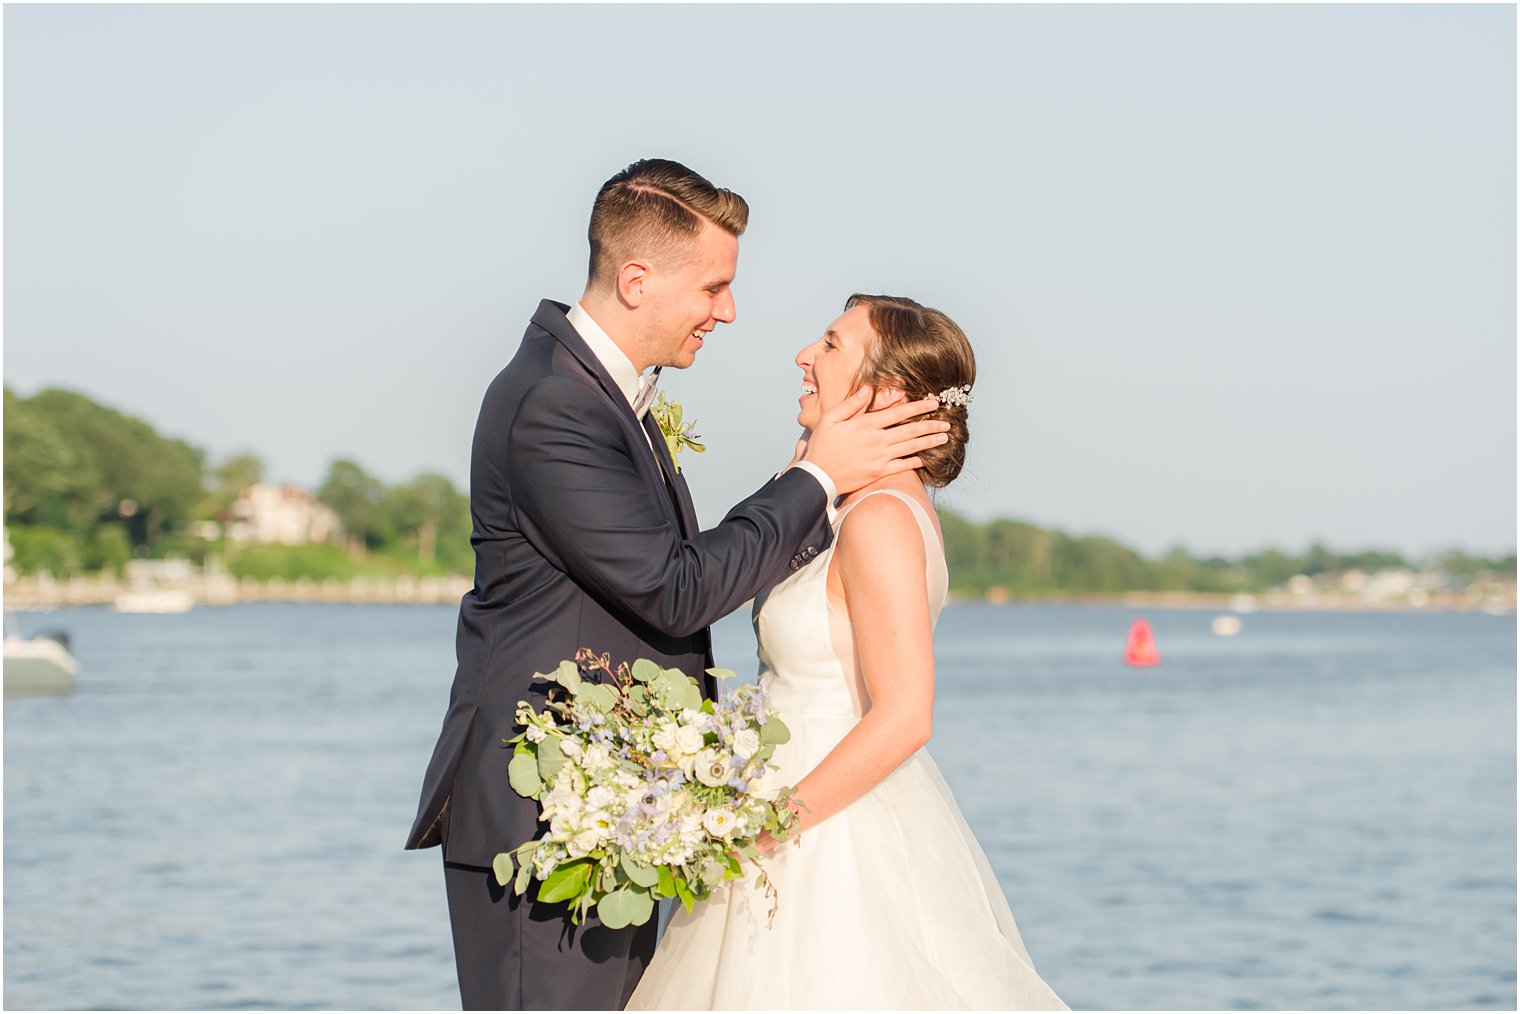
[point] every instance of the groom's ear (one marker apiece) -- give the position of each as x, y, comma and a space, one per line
632, 283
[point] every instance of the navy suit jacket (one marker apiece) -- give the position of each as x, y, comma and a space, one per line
580, 542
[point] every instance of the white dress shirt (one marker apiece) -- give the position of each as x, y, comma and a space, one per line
620, 368
612, 358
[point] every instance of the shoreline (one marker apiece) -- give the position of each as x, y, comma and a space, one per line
27, 596
1260, 603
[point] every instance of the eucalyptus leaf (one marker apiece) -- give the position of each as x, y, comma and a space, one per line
645, 670
502, 867
722, 674
774, 731
524, 874
568, 675
523, 774
550, 759
693, 699
626, 906
712, 874
643, 876
600, 696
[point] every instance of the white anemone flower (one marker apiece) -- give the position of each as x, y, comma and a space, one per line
712, 768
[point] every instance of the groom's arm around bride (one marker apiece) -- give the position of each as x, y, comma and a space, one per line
585, 535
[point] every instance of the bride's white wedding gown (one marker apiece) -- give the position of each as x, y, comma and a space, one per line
890, 903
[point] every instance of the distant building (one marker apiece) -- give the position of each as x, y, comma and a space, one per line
284, 514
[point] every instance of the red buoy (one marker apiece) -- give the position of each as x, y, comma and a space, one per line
1141, 649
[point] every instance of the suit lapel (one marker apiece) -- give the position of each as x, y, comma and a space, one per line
674, 480
551, 317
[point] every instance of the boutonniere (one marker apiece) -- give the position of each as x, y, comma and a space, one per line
679, 435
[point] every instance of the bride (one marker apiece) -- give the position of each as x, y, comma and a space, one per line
885, 899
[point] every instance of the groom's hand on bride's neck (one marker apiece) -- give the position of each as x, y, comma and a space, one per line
856, 447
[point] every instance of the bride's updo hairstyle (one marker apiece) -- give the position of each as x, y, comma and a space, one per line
922, 351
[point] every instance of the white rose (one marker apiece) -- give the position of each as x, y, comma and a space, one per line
765, 785
534, 734
719, 823
596, 756
664, 738
712, 769
600, 797
688, 740
583, 843
562, 827
746, 743
570, 747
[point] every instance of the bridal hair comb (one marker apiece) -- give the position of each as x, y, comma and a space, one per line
958, 396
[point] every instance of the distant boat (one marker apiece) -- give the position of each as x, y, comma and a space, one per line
39, 665
1243, 603
157, 586
157, 600
1225, 625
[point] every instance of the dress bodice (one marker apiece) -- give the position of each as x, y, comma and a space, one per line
807, 645
836, 925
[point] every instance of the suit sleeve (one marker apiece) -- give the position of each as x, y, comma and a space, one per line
584, 504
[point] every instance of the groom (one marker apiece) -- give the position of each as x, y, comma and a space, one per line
584, 535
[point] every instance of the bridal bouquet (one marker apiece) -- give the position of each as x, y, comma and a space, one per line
649, 791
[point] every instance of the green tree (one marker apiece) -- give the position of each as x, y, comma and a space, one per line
358, 499
47, 481
425, 507
148, 482
231, 477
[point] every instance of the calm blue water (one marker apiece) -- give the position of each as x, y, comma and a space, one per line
1319, 813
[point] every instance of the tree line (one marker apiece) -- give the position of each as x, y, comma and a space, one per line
88, 488
1025, 560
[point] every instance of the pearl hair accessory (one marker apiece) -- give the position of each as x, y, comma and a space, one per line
959, 396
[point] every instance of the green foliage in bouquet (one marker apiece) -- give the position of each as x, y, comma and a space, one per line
648, 790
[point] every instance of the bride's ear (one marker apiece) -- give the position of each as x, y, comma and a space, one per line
886, 396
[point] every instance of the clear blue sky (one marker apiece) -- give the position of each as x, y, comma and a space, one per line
1236, 275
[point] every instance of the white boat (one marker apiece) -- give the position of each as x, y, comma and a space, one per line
156, 600
39, 665
157, 586
1225, 625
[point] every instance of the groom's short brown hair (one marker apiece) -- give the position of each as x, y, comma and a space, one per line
654, 206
